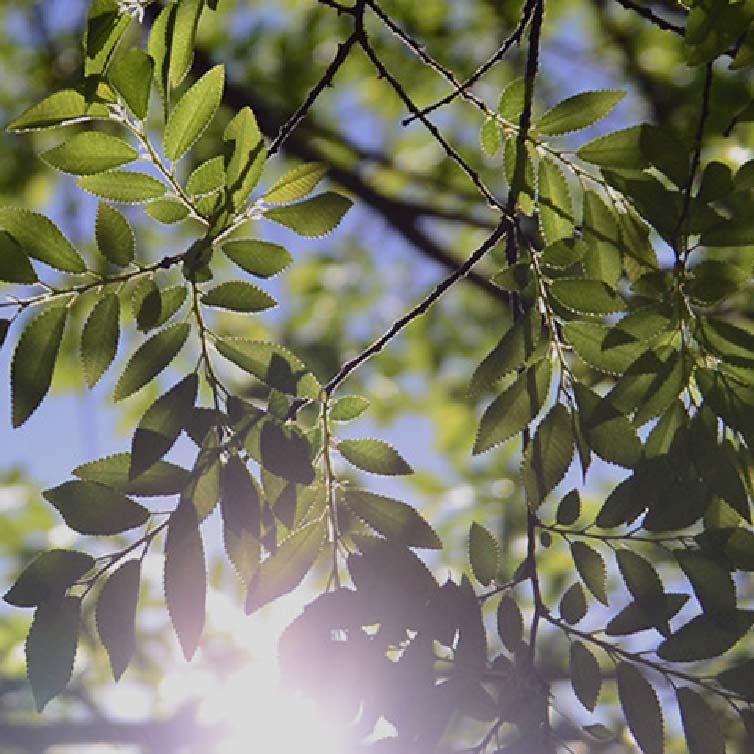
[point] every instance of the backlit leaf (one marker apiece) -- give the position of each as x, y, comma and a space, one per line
512, 411
484, 553
580, 111
569, 509
573, 604
587, 296
510, 623
113, 471
61, 108
150, 359
238, 296
115, 239
555, 207
183, 36
374, 456
161, 424
548, 455
586, 676
48, 576
185, 577
348, 407
641, 708
285, 569
123, 186
700, 724
259, 258
99, 338
591, 567
392, 518
41, 239
705, 637
15, 266
34, 362
272, 364
116, 613
193, 113
131, 76
296, 184
51, 648
167, 211
90, 152
91, 508
313, 217
246, 157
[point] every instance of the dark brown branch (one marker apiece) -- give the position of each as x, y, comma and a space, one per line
652, 17
449, 149
290, 125
503, 227
501, 52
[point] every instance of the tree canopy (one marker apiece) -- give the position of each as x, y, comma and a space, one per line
436, 314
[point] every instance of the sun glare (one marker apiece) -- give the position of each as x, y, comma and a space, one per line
249, 704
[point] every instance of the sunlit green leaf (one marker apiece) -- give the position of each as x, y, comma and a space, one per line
313, 217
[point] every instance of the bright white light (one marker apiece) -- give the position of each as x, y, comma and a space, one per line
248, 704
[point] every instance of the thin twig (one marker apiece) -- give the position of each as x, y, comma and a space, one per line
499, 54
503, 227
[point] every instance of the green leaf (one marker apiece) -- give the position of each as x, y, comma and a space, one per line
51, 648
586, 676
548, 455
641, 707
131, 77
183, 37
705, 636
204, 490
48, 576
563, 253
115, 239
99, 338
555, 207
313, 217
285, 569
116, 614
712, 584
59, 109
167, 211
41, 239
150, 359
185, 577
640, 577
511, 353
272, 364
713, 280
281, 449
193, 113
15, 266
374, 456
516, 277
512, 100
348, 407
637, 617
604, 243
123, 186
90, 152
618, 150
591, 568
208, 178
510, 623
161, 479
491, 136
580, 111
592, 297
484, 554
512, 411
602, 347
246, 157
161, 424
607, 432
259, 258
297, 183
158, 47
569, 509
739, 679
104, 29
240, 500
573, 604
738, 232
701, 725
238, 296
34, 362
91, 508
393, 519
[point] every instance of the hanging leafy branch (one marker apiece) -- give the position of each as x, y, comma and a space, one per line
611, 353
